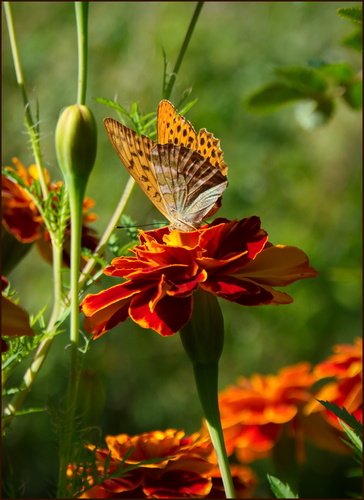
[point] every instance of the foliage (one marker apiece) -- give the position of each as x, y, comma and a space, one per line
279, 489
305, 187
315, 87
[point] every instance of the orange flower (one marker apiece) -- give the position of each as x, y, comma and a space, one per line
346, 365
230, 259
255, 411
15, 321
179, 466
22, 219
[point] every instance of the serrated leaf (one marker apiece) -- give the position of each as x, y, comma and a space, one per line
343, 414
272, 96
279, 489
354, 14
305, 79
354, 95
355, 440
112, 104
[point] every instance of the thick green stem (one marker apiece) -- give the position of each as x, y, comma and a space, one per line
32, 128
203, 341
76, 191
206, 377
82, 32
167, 91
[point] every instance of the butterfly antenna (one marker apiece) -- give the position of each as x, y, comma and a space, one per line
144, 225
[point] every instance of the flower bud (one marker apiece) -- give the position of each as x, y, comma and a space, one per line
203, 336
76, 138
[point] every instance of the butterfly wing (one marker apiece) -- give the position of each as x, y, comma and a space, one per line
175, 129
189, 184
134, 152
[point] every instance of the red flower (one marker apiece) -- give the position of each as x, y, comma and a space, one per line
346, 365
160, 464
230, 259
22, 219
168, 464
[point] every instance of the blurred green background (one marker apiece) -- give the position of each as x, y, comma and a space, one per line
305, 186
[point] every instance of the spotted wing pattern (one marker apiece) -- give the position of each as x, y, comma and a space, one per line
184, 175
175, 129
134, 152
188, 183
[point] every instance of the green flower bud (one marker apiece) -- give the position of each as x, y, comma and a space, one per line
76, 138
203, 336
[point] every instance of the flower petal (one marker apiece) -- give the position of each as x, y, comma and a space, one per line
242, 292
168, 315
278, 266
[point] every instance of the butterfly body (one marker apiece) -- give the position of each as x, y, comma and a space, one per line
183, 174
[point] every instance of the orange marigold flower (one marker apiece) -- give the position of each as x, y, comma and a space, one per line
346, 366
22, 219
255, 410
168, 464
231, 259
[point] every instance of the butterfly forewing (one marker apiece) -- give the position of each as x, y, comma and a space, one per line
209, 147
175, 129
135, 153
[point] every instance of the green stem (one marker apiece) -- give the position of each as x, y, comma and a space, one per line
86, 271
57, 258
76, 192
168, 89
82, 35
32, 128
206, 377
42, 351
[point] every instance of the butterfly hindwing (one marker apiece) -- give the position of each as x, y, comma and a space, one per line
188, 182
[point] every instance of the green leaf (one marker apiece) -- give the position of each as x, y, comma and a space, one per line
354, 14
113, 105
272, 96
354, 439
344, 415
280, 490
340, 73
354, 95
354, 40
312, 114
307, 80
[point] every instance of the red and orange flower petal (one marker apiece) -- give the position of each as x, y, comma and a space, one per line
236, 290
177, 484
278, 266
224, 238
106, 309
167, 317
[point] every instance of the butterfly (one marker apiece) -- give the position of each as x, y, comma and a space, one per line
183, 173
